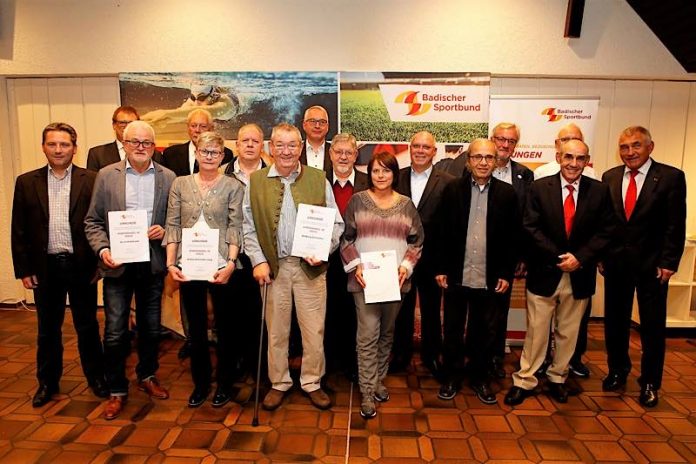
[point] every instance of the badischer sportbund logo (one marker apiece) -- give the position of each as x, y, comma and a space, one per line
416, 108
556, 114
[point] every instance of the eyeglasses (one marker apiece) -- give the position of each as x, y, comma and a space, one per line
342, 153
569, 157
289, 146
624, 147
146, 144
503, 140
214, 154
568, 139
317, 122
478, 158
121, 123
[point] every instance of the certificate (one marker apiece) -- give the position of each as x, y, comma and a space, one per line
128, 236
199, 253
313, 229
381, 276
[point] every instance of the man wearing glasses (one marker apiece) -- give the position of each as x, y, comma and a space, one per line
113, 152
136, 183
505, 136
270, 212
181, 158
315, 151
569, 221
476, 253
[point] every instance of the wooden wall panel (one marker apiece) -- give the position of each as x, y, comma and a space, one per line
669, 106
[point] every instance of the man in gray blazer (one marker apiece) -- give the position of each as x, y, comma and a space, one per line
136, 183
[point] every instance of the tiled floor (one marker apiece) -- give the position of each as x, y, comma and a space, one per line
414, 426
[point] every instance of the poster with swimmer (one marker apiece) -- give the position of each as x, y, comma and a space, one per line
233, 98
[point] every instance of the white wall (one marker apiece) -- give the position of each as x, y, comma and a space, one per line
72, 37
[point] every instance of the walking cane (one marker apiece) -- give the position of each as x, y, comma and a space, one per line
255, 420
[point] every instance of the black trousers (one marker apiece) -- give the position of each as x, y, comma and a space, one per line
63, 278
195, 296
430, 297
341, 324
652, 308
472, 310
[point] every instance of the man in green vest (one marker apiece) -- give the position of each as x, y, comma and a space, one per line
270, 212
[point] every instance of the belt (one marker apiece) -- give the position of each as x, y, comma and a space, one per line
61, 256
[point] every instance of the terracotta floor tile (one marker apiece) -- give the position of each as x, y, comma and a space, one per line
77, 408
192, 438
661, 452
503, 449
632, 425
538, 424
608, 451
245, 441
395, 447
446, 448
442, 422
586, 425
555, 450
397, 422
295, 443
678, 426
98, 434
148, 437
491, 424
50, 432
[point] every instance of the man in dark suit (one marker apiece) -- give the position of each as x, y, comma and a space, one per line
136, 183
569, 222
478, 223
505, 135
52, 257
181, 158
341, 324
113, 152
315, 150
649, 199
424, 185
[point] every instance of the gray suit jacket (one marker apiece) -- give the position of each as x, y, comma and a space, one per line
109, 194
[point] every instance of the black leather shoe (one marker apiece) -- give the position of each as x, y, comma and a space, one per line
578, 369
613, 382
221, 397
43, 395
648, 395
99, 387
516, 396
198, 397
447, 391
558, 392
484, 393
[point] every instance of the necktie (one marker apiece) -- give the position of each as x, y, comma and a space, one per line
631, 194
569, 210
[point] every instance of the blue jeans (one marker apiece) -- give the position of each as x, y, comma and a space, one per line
118, 292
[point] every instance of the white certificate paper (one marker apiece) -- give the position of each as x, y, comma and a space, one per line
381, 276
199, 252
128, 236
313, 229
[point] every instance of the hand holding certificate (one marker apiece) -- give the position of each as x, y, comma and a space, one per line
313, 229
381, 275
128, 236
199, 252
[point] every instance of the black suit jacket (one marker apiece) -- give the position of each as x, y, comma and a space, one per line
503, 231
176, 158
102, 155
654, 236
30, 214
427, 209
593, 227
328, 167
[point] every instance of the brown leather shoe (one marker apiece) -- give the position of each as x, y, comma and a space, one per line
273, 399
114, 406
320, 399
152, 387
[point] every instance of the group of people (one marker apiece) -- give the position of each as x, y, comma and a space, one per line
463, 228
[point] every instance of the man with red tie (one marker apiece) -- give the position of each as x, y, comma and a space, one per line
650, 201
569, 223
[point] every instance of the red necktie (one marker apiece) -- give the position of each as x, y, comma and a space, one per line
631, 194
569, 209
